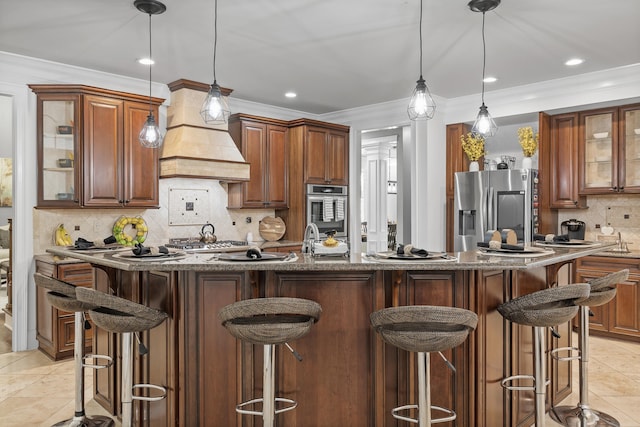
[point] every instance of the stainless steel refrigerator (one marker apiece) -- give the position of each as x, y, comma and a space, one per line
495, 200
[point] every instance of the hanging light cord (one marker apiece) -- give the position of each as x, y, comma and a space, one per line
215, 37
420, 38
484, 57
150, 65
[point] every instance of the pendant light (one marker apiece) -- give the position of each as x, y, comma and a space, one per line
421, 106
150, 135
215, 109
484, 124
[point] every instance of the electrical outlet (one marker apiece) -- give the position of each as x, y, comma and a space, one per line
248, 220
76, 227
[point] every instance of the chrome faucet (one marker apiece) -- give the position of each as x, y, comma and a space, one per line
307, 243
622, 246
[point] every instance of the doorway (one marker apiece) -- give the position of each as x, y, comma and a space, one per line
6, 212
381, 192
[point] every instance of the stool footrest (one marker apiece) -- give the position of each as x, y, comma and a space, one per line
504, 383
149, 398
292, 405
451, 417
97, 358
569, 357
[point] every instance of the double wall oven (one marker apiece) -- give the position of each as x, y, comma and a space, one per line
328, 208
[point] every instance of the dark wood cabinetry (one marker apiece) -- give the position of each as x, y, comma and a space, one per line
563, 163
348, 375
318, 153
55, 328
263, 144
610, 150
325, 151
88, 149
620, 318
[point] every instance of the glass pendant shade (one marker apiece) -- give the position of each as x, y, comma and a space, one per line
421, 106
484, 124
215, 109
150, 135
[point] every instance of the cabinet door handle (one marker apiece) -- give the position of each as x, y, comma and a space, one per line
575, 203
126, 202
622, 188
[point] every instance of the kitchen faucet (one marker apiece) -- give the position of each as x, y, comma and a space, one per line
307, 243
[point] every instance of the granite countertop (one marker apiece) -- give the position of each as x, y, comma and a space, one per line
471, 260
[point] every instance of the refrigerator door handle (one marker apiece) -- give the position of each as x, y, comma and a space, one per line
490, 213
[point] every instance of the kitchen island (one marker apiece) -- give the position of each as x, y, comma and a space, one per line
348, 376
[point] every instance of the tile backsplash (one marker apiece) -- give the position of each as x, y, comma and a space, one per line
622, 212
96, 224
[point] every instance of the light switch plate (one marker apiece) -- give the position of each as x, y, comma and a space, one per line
189, 206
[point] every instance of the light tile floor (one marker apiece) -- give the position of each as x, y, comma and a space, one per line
34, 391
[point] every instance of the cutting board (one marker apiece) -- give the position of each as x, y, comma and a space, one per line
272, 229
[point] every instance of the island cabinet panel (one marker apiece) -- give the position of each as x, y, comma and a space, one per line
490, 349
449, 390
215, 368
159, 365
334, 383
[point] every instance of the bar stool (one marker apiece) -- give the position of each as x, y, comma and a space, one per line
542, 309
603, 290
424, 329
62, 295
268, 322
115, 314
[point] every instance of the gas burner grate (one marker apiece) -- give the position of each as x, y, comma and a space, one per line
187, 243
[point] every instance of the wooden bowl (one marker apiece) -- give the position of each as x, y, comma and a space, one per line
272, 229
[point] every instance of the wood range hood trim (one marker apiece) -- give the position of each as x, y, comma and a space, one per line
194, 149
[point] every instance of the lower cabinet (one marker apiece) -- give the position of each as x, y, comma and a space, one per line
348, 375
56, 328
620, 318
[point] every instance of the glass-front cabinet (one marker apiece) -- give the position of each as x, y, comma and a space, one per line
610, 151
630, 134
58, 118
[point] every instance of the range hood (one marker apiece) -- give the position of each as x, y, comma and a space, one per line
194, 149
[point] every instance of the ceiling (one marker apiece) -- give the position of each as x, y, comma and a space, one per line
336, 54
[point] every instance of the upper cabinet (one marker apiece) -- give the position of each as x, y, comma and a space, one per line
326, 151
562, 146
610, 150
263, 144
88, 149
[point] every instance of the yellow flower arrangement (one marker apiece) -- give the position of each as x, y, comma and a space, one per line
528, 142
473, 146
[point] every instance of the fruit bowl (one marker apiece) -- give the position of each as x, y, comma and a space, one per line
123, 237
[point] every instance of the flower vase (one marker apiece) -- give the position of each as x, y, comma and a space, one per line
526, 163
474, 166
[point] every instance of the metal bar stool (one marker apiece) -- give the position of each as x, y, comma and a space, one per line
603, 290
120, 315
62, 295
542, 309
423, 329
268, 322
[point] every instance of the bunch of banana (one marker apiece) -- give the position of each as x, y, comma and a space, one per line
62, 237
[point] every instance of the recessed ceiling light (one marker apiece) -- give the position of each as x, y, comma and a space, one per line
490, 79
574, 61
146, 61
290, 94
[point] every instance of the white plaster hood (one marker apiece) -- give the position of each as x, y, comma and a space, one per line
194, 149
